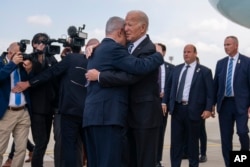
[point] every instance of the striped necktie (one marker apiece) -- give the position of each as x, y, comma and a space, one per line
130, 47
229, 78
17, 95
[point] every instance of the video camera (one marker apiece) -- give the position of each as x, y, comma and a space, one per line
77, 37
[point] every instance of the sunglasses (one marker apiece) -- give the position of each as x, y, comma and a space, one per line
39, 42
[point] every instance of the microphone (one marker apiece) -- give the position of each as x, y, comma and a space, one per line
72, 31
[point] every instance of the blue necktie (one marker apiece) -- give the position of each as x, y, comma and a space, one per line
181, 85
229, 78
17, 95
130, 47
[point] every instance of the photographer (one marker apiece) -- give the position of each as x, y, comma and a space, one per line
71, 100
14, 117
43, 98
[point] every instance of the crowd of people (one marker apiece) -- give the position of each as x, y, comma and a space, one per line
109, 106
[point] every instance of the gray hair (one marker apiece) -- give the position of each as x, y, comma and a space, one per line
141, 17
113, 24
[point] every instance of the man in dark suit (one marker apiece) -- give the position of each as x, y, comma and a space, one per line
164, 73
189, 100
232, 94
106, 109
14, 117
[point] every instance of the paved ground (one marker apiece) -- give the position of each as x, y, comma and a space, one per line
213, 149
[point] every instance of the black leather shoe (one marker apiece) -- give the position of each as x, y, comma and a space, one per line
203, 158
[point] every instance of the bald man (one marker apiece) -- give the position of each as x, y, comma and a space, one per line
14, 116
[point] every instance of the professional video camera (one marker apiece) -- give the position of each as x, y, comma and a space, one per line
77, 37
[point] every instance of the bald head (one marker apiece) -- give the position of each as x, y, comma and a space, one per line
92, 41
12, 49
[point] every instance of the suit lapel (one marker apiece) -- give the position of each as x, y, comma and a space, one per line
224, 71
237, 68
178, 74
196, 73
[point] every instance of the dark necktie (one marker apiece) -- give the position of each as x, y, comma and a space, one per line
181, 85
17, 95
229, 78
130, 47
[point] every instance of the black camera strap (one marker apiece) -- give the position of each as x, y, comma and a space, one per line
3, 56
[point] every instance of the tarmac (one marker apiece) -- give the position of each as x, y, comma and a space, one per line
214, 155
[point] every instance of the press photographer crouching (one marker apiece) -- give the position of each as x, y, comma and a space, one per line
14, 116
44, 97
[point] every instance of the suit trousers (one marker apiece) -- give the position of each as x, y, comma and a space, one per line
203, 138
17, 123
182, 125
40, 128
104, 145
58, 140
161, 137
143, 146
72, 141
228, 115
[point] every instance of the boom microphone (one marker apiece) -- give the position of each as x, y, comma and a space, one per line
72, 31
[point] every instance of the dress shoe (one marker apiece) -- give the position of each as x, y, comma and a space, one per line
203, 158
7, 163
30, 157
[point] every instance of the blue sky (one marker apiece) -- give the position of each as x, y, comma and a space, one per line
172, 22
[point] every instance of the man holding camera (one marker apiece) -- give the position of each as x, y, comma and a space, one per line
14, 117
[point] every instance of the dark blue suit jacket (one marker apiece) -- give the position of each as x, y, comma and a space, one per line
201, 91
109, 105
72, 92
241, 83
5, 70
168, 70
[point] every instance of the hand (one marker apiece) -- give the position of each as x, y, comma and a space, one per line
159, 49
21, 86
89, 50
164, 109
161, 94
17, 58
92, 75
205, 114
27, 64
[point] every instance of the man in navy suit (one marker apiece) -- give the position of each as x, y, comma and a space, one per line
189, 100
232, 96
106, 108
164, 73
14, 117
